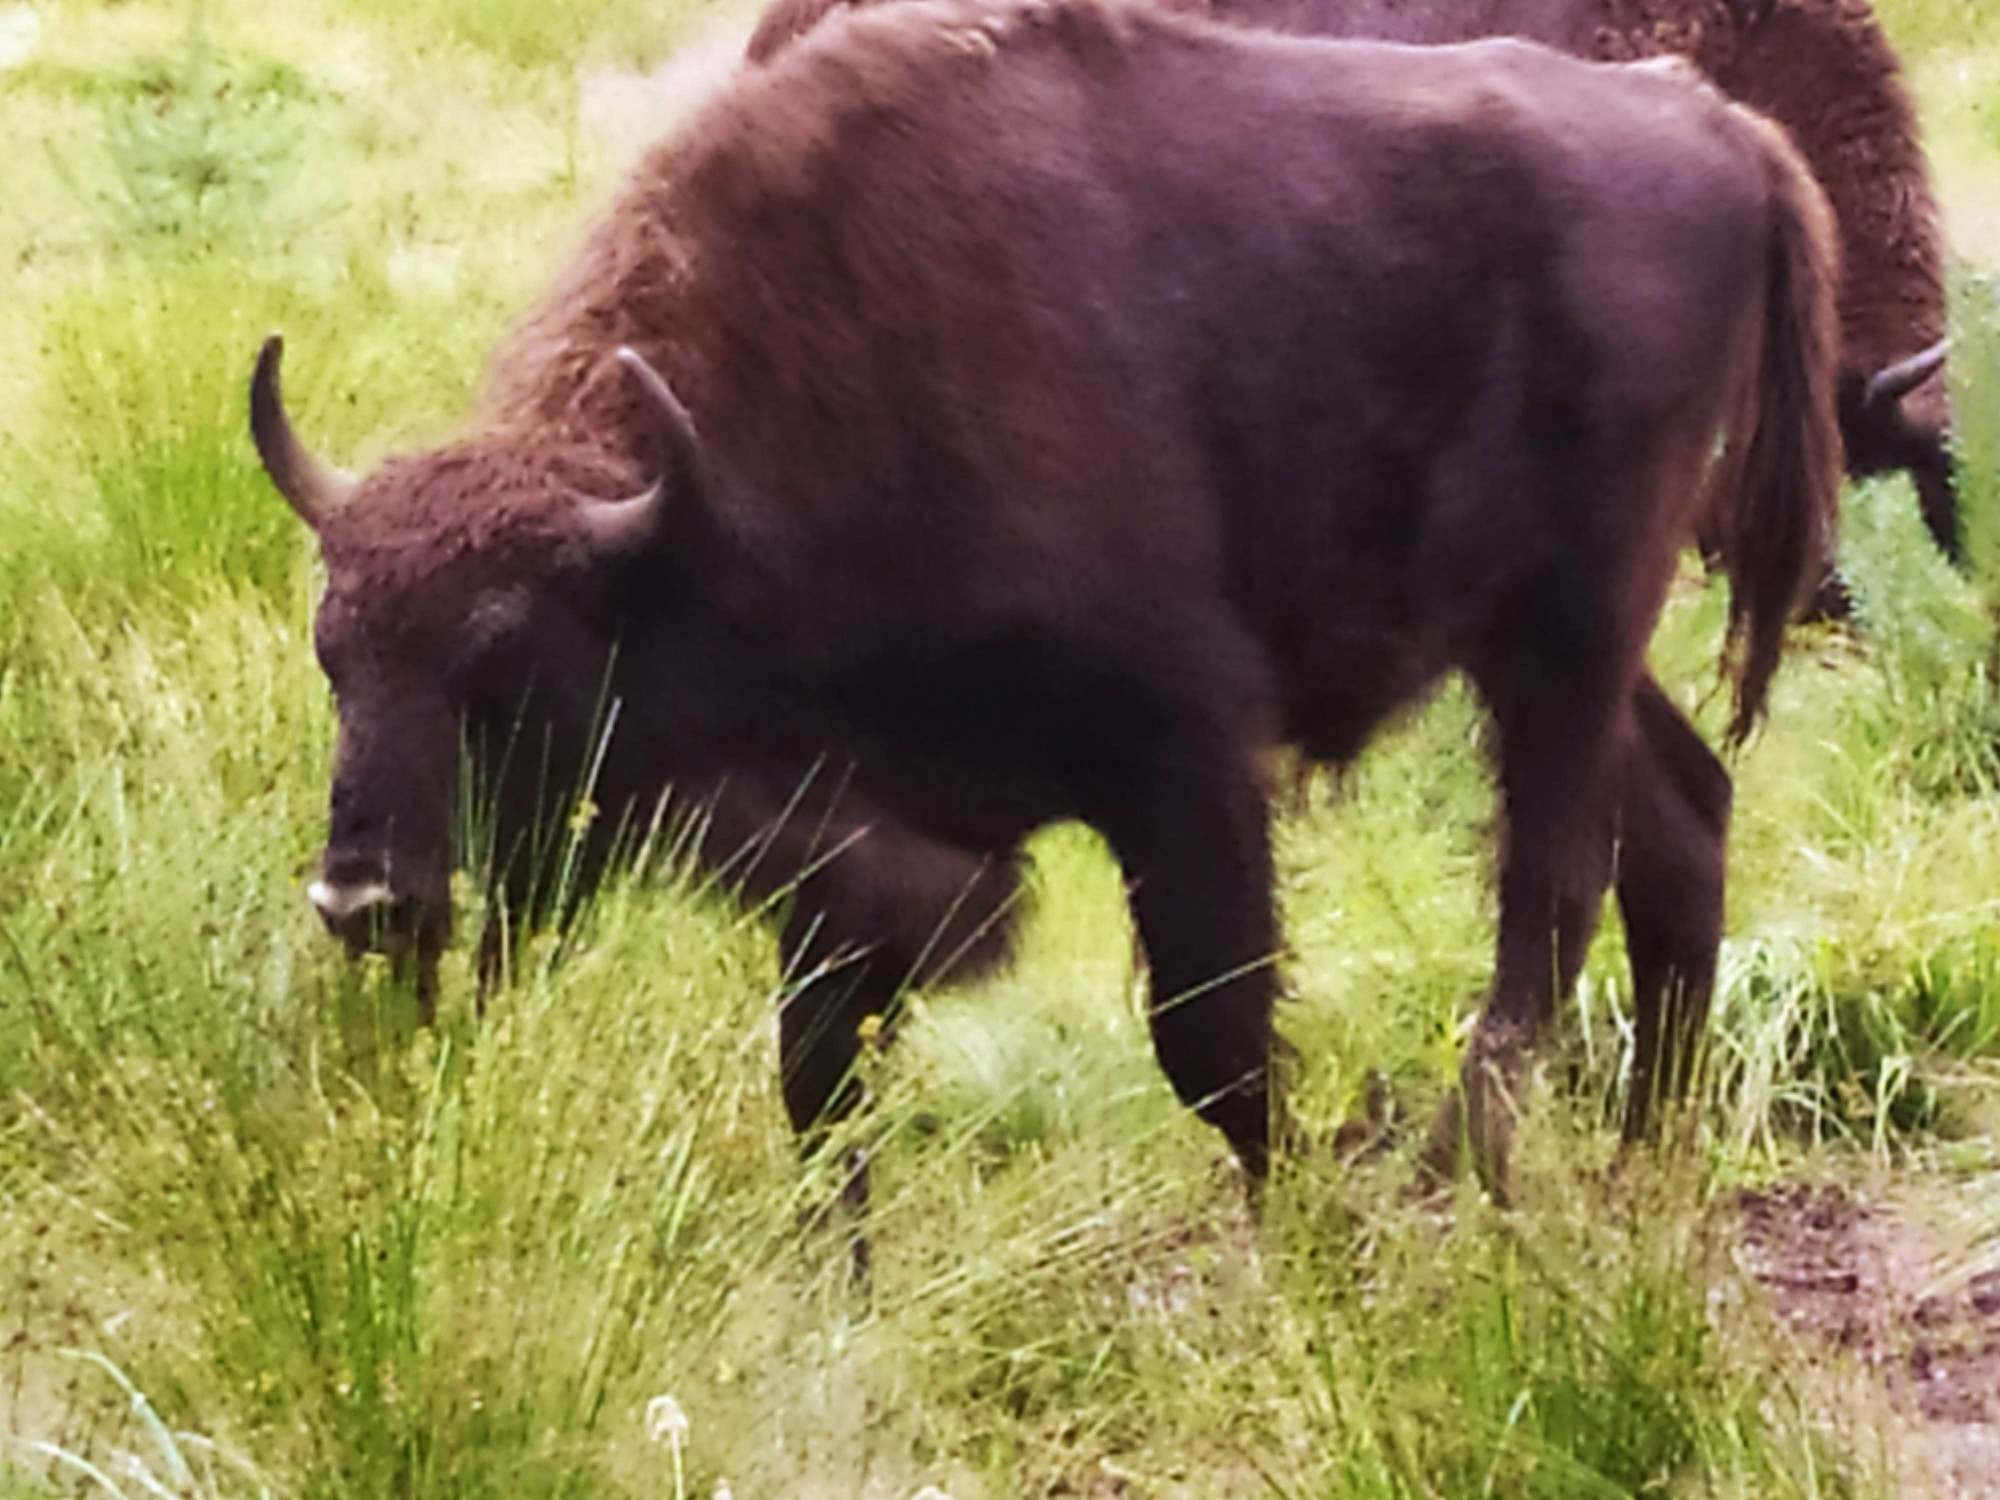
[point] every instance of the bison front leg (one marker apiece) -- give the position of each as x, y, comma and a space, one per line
1190, 828
887, 910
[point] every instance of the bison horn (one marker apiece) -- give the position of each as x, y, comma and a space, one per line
676, 428
620, 525
314, 488
1888, 386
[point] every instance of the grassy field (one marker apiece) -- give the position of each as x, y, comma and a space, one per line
258, 1236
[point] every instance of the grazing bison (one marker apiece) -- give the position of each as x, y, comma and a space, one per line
996, 414
1821, 68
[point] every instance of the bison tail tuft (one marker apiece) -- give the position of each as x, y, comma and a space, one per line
1776, 531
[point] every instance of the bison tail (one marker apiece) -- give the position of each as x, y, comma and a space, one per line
1776, 532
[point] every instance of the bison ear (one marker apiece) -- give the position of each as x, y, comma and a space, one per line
623, 526
314, 488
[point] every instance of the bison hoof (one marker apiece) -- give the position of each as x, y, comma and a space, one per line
1832, 603
1477, 1118
1370, 1130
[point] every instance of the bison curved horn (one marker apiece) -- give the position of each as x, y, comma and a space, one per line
315, 489
676, 428
1890, 384
625, 525
620, 525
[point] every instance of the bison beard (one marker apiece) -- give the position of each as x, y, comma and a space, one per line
989, 415
1821, 68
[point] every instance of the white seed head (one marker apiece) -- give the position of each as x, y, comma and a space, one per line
665, 1421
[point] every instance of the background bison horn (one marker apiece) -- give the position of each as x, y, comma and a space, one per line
1898, 380
315, 489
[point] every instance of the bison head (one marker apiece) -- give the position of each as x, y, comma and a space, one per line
473, 602
1896, 419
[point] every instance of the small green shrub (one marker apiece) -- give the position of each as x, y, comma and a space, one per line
200, 148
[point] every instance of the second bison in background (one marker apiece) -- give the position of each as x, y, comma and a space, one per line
1821, 68
989, 415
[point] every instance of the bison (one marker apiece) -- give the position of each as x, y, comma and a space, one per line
994, 414
1821, 68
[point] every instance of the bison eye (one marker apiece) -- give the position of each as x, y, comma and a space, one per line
497, 622
491, 654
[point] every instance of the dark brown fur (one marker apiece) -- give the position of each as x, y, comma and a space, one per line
1080, 400
1822, 68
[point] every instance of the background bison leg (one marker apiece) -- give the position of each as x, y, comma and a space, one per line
889, 910
1190, 828
1937, 495
1674, 832
819, 1042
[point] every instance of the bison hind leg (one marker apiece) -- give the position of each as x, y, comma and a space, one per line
1557, 677
1671, 866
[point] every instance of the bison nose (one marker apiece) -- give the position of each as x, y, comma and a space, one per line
366, 915
343, 901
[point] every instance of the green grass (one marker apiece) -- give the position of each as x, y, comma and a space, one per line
1922, 30
531, 37
1954, 71
261, 1237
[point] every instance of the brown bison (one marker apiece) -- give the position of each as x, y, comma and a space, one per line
996, 414
1821, 68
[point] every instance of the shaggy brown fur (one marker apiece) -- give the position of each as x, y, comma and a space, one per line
1821, 68
1031, 447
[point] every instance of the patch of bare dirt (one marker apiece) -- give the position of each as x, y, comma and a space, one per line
1890, 1292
